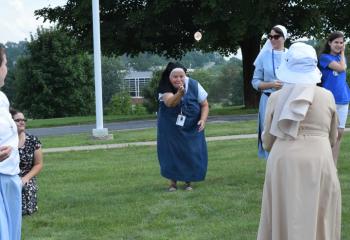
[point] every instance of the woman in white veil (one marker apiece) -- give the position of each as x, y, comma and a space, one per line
264, 78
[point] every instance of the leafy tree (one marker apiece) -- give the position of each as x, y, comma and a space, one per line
13, 52
223, 83
193, 59
112, 78
54, 79
229, 85
150, 93
143, 61
166, 27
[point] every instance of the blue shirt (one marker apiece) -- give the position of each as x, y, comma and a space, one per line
334, 81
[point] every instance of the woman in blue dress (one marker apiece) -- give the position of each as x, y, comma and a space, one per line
183, 111
332, 64
264, 78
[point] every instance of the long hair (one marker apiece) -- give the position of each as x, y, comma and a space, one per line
331, 37
164, 83
13, 111
2, 54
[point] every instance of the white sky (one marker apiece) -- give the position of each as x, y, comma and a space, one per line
18, 20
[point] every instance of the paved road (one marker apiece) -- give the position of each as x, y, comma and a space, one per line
139, 124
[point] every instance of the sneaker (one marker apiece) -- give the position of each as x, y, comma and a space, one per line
188, 187
172, 188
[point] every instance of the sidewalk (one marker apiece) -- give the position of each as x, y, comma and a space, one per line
150, 143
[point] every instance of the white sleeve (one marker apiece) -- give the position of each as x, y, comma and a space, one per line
202, 94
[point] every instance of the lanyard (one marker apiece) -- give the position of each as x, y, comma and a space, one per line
273, 63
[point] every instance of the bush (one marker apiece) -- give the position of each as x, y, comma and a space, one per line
120, 104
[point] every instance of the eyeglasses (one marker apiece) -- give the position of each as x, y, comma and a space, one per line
275, 37
20, 120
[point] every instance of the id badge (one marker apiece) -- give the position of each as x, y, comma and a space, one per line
180, 120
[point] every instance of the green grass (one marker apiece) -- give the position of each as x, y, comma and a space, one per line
119, 194
212, 129
54, 122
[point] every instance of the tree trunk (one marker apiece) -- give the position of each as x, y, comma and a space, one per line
250, 48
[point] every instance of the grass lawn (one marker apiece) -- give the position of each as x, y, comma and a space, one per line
150, 134
54, 122
119, 194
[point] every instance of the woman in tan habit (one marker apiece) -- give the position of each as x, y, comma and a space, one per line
301, 197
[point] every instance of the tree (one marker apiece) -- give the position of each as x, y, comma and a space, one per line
112, 78
54, 79
150, 93
13, 52
167, 26
120, 104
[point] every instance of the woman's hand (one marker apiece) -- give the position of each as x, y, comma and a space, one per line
25, 180
5, 152
201, 124
277, 84
181, 90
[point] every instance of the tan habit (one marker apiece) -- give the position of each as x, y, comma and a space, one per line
301, 197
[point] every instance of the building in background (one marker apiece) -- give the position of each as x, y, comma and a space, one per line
135, 82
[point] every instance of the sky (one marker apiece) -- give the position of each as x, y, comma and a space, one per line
18, 20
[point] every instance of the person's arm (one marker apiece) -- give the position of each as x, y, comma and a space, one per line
333, 133
267, 138
339, 66
258, 82
5, 152
204, 115
172, 100
276, 84
38, 165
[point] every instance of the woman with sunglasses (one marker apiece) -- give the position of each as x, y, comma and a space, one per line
264, 78
332, 64
10, 182
31, 163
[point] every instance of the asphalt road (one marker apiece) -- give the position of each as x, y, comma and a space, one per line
139, 124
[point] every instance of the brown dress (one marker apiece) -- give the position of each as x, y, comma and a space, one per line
301, 197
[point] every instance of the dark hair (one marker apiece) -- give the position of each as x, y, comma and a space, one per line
331, 37
14, 112
2, 54
279, 31
164, 83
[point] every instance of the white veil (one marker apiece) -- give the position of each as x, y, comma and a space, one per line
268, 46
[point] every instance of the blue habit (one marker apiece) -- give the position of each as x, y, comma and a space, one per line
182, 151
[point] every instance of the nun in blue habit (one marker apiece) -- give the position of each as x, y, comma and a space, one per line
182, 114
264, 78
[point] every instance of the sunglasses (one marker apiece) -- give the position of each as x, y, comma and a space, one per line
20, 120
275, 37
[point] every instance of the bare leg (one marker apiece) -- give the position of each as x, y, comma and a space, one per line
336, 147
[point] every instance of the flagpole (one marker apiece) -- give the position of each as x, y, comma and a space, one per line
99, 132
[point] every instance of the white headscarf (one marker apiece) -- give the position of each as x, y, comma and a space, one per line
300, 74
268, 46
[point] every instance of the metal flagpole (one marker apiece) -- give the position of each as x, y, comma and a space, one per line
99, 131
